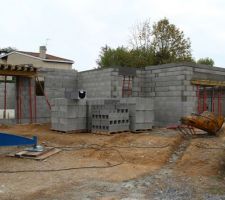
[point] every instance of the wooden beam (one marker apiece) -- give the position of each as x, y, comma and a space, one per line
17, 73
208, 83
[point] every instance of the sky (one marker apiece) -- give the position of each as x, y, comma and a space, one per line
77, 29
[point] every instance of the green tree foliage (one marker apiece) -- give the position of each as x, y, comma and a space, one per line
206, 61
169, 43
113, 57
124, 57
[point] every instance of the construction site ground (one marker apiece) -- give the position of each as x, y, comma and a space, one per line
158, 164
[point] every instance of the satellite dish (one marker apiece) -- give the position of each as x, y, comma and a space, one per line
82, 94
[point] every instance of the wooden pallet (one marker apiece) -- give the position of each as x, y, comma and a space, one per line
141, 131
70, 132
35, 155
109, 133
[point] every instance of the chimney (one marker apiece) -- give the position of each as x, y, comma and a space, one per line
43, 50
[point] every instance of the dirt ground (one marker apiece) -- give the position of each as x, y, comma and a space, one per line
158, 164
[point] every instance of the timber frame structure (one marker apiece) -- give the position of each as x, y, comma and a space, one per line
20, 71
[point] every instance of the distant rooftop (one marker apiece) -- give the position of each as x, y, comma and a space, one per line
48, 56
42, 55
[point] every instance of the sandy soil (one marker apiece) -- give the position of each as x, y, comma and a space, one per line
200, 161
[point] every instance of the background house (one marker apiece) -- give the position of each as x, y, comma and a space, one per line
38, 59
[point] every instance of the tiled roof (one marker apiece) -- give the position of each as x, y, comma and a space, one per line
48, 56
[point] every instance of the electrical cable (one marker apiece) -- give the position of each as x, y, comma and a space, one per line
204, 147
61, 169
91, 146
71, 168
114, 146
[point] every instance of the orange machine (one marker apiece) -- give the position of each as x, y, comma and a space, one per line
206, 121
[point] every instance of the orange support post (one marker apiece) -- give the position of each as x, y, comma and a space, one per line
30, 101
35, 103
5, 99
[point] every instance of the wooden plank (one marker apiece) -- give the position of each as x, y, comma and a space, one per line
208, 83
35, 155
17, 73
19, 154
47, 154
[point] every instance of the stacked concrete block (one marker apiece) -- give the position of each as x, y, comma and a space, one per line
91, 103
69, 115
110, 118
141, 112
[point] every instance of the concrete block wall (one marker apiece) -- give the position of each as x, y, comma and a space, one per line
26, 109
10, 98
10, 95
108, 83
174, 96
138, 84
167, 86
97, 83
56, 82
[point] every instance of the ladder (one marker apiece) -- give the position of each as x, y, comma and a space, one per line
127, 86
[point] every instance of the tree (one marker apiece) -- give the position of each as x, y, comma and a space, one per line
141, 36
149, 45
206, 61
113, 57
169, 43
124, 57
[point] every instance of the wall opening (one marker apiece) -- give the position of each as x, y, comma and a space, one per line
40, 86
210, 98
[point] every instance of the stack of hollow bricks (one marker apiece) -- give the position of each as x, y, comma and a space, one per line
69, 115
110, 118
141, 113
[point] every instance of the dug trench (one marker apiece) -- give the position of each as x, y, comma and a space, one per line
153, 165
